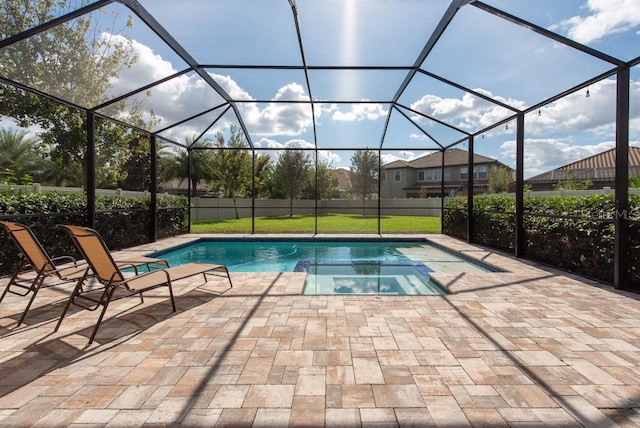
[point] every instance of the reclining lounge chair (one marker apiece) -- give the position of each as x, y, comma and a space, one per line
108, 273
36, 260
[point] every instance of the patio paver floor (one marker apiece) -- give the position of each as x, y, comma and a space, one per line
527, 347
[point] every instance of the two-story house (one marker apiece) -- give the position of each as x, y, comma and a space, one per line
422, 177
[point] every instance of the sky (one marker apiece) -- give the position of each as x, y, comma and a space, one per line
478, 51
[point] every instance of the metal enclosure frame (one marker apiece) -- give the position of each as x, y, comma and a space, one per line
619, 68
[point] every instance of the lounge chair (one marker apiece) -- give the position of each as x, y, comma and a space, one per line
36, 260
108, 273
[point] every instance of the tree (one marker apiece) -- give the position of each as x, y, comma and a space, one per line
572, 183
365, 170
176, 165
230, 167
263, 176
19, 154
327, 181
76, 62
291, 174
499, 179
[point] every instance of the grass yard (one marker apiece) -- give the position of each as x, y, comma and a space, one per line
331, 223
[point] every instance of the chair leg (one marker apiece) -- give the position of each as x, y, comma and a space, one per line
12, 281
173, 301
228, 277
105, 303
6, 289
37, 283
75, 292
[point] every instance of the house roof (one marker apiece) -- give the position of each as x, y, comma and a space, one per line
452, 157
599, 167
344, 179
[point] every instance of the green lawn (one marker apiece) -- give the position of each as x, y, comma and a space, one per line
332, 223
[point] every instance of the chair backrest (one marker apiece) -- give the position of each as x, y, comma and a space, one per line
29, 246
95, 252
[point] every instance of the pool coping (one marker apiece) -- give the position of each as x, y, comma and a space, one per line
330, 238
507, 266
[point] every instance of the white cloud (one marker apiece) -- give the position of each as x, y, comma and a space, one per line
573, 113
576, 112
387, 158
188, 95
10, 124
469, 112
279, 118
359, 112
275, 148
541, 155
148, 68
606, 17
331, 158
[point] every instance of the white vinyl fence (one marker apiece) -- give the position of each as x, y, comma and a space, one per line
222, 208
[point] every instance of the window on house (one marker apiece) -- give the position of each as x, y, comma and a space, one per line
420, 175
437, 175
479, 172
396, 175
447, 174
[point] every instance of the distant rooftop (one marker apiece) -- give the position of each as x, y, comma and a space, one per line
452, 157
599, 167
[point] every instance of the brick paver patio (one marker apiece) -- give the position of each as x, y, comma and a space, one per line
527, 347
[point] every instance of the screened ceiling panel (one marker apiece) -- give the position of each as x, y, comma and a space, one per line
206, 123
352, 32
440, 132
463, 110
167, 103
355, 85
53, 10
251, 84
154, 60
223, 126
403, 134
72, 76
265, 29
589, 23
508, 60
289, 120
356, 125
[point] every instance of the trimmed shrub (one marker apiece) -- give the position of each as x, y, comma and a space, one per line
574, 233
122, 221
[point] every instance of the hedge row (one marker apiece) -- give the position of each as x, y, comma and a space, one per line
573, 233
122, 221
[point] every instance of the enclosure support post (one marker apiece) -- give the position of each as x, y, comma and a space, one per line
621, 241
519, 220
153, 186
379, 190
442, 195
189, 152
253, 192
470, 190
91, 169
317, 193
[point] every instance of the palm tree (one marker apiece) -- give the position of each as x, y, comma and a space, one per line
18, 153
175, 165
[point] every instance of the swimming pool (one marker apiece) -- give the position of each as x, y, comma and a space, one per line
332, 266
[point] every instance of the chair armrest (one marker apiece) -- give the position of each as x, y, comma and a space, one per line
66, 259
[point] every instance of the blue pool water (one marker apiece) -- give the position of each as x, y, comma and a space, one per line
332, 267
